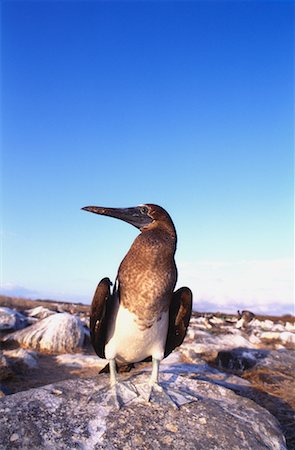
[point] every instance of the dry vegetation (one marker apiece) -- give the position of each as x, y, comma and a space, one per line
275, 391
21, 304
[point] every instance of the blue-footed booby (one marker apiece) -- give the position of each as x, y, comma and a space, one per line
142, 317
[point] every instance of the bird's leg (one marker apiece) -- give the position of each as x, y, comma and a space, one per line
120, 392
113, 372
155, 372
156, 390
123, 391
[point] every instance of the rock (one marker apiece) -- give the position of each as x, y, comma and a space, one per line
61, 416
11, 320
239, 359
290, 327
255, 340
278, 327
5, 369
39, 312
59, 333
80, 360
232, 341
288, 338
191, 333
266, 325
204, 372
216, 321
206, 344
285, 337
279, 361
86, 321
270, 336
173, 358
21, 359
256, 324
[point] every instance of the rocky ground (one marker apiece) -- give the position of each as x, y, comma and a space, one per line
47, 342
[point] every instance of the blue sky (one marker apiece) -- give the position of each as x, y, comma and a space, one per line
184, 104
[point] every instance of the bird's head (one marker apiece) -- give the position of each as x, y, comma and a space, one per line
144, 217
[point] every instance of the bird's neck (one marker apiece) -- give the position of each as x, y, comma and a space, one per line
161, 231
158, 239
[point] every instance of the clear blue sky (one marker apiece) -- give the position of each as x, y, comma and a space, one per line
185, 104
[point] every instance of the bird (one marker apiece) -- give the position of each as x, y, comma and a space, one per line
244, 319
141, 317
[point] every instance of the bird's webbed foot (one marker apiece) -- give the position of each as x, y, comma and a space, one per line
158, 394
121, 393
116, 395
163, 393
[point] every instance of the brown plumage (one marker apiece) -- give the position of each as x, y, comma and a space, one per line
100, 316
143, 300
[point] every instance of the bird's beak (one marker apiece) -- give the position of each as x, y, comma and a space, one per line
137, 216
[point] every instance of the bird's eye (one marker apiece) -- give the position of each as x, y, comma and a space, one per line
144, 209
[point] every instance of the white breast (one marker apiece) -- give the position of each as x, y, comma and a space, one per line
129, 343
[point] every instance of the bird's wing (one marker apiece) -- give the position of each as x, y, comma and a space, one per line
179, 317
100, 312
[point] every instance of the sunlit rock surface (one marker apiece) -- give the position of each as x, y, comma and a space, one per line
60, 333
81, 361
11, 319
39, 312
66, 416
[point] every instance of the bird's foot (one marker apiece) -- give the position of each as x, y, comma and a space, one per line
122, 393
159, 393
117, 395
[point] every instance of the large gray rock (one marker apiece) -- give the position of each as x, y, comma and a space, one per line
279, 361
61, 416
240, 359
11, 319
5, 369
58, 333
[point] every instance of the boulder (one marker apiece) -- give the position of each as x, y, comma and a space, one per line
290, 327
288, 338
270, 336
266, 325
79, 361
11, 319
208, 345
282, 361
239, 359
77, 414
58, 333
22, 360
5, 369
39, 312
